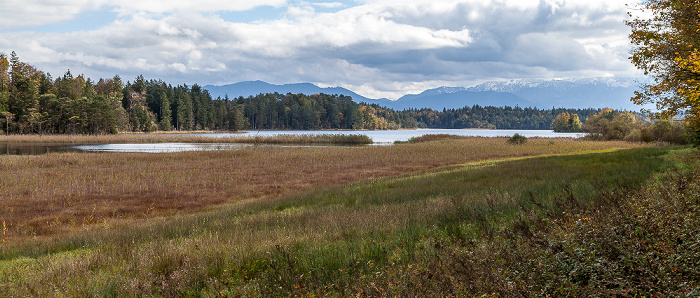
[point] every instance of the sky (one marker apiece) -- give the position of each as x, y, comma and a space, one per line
377, 48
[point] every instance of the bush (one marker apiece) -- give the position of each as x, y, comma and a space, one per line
668, 131
517, 139
613, 125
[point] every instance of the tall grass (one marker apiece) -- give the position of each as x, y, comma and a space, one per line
54, 193
624, 242
430, 138
452, 230
354, 139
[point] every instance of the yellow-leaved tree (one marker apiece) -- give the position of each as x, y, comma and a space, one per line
666, 42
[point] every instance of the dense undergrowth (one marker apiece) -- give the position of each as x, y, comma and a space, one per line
624, 241
614, 223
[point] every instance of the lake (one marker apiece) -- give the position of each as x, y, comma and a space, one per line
380, 137
383, 137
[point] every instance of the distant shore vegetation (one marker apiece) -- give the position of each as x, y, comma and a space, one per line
32, 102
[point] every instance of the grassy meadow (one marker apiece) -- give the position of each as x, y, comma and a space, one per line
455, 217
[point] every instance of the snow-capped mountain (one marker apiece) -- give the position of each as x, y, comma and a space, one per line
575, 93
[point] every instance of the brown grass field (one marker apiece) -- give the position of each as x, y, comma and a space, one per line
47, 195
449, 217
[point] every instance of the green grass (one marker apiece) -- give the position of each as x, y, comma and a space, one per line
472, 229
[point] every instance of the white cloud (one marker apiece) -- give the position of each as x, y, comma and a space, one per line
19, 13
164, 6
300, 12
179, 67
22, 13
329, 4
380, 48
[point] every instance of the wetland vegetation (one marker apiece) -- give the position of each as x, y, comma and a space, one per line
435, 216
441, 216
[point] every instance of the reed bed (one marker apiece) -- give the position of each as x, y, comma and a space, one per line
330, 139
429, 138
459, 230
58, 192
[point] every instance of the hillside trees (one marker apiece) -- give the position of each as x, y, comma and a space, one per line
7, 117
300, 111
612, 125
24, 90
566, 122
4, 82
370, 120
493, 117
666, 48
183, 109
33, 102
165, 113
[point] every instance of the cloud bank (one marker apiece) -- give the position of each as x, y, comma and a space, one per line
379, 48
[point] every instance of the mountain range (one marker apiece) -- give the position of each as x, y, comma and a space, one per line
575, 93
252, 88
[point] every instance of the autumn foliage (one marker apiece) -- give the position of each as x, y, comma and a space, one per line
666, 48
566, 122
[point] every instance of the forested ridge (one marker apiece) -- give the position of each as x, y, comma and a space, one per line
31, 101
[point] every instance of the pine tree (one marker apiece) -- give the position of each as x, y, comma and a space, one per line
165, 113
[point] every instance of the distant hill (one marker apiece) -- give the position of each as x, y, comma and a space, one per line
252, 88
580, 93
457, 97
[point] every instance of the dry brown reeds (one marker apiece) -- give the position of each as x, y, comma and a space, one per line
353, 139
463, 230
48, 194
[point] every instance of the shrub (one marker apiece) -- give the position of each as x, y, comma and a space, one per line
613, 125
638, 135
517, 139
668, 131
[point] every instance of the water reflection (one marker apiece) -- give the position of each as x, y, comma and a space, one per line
158, 147
28, 149
390, 136
380, 137
10, 149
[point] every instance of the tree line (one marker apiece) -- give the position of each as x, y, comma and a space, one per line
31, 101
490, 117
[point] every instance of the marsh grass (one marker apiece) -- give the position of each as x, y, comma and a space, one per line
55, 193
330, 139
429, 138
413, 234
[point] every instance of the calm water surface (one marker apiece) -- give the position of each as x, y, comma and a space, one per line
157, 147
389, 136
380, 137
33, 149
